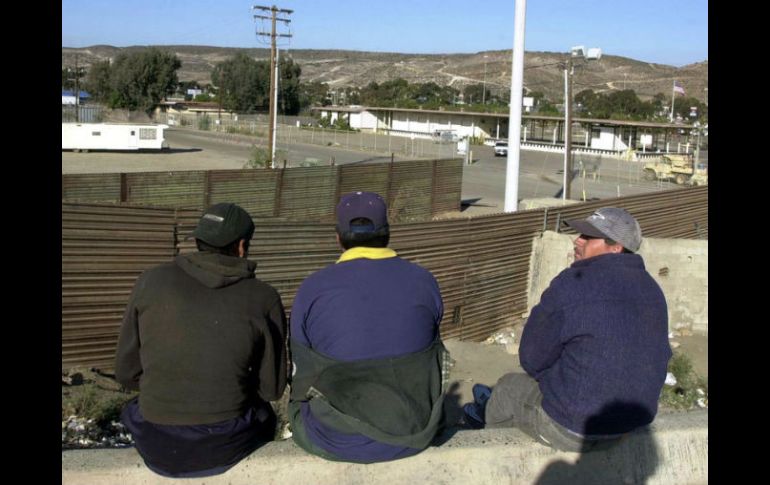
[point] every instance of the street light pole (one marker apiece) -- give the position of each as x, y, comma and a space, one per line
590, 55
511, 201
565, 193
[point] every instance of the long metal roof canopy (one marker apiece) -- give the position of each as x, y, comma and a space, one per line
595, 121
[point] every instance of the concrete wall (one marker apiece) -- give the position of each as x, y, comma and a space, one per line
680, 266
673, 450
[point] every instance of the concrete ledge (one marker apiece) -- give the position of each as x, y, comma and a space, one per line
673, 451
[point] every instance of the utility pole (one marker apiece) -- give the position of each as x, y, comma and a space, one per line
273, 66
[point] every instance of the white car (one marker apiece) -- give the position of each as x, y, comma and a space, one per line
501, 148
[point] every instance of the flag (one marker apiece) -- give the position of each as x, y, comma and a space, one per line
678, 88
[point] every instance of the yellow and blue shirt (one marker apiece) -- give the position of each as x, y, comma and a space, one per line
371, 304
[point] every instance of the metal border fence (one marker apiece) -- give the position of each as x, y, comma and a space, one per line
481, 263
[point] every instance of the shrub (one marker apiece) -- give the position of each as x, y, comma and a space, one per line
689, 387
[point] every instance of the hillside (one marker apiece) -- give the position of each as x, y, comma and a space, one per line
339, 68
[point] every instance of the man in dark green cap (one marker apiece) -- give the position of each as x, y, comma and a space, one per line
204, 343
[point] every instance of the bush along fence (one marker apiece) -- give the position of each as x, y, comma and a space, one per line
482, 264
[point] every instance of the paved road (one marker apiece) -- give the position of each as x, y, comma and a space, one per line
540, 173
194, 150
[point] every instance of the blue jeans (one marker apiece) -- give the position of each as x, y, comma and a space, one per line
199, 450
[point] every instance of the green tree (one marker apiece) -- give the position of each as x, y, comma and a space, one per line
313, 94
141, 79
474, 93
99, 80
288, 86
683, 106
243, 84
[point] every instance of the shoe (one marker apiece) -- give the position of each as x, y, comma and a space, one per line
473, 418
481, 394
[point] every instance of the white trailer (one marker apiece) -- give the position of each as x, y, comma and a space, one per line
112, 136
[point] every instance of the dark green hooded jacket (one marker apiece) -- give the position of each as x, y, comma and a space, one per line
202, 340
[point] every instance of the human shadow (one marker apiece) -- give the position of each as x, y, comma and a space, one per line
632, 459
465, 203
181, 150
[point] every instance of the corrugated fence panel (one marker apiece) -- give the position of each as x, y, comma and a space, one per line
410, 194
173, 189
679, 213
369, 178
102, 187
254, 190
415, 189
104, 249
308, 193
447, 185
481, 263
286, 252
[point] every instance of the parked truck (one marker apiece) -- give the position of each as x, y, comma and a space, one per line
112, 136
679, 168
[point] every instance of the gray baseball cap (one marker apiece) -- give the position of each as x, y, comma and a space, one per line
611, 223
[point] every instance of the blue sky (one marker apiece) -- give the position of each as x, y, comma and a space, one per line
673, 32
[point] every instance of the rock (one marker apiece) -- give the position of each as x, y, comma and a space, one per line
675, 345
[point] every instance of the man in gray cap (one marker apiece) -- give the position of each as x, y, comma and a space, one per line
595, 349
204, 343
368, 383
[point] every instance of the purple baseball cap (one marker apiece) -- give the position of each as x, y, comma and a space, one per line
361, 204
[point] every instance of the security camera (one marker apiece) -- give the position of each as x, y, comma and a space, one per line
594, 54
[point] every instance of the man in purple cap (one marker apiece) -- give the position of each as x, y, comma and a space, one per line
595, 349
204, 343
369, 365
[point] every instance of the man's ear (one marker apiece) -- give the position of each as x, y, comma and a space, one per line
242, 248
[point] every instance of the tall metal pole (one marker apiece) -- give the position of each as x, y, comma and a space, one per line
514, 116
566, 192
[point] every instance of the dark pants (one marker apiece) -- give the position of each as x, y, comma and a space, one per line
516, 402
198, 450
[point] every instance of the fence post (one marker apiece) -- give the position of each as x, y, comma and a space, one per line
206, 189
123, 188
389, 195
433, 188
278, 188
337, 188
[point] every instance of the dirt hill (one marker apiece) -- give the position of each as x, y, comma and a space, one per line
339, 68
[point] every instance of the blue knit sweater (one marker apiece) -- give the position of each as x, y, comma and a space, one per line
597, 343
